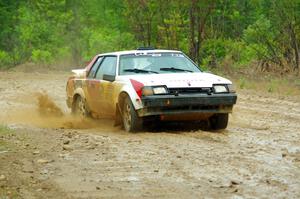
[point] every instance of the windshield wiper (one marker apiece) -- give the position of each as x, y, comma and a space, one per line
136, 70
176, 69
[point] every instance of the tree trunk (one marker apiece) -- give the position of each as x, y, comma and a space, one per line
192, 47
149, 24
295, 47
75, 33
162, 17
198, 18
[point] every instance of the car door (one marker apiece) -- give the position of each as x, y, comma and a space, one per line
93, 86
104, 101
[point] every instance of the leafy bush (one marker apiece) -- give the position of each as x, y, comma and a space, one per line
241, 53
5, 60
215, 48
63, 53
260, 31
261, 37
41, 57
217, 51
106, 40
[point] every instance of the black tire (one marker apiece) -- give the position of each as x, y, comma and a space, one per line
219, 121
79, 108
131, 121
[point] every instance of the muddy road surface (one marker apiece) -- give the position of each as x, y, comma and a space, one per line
45, 153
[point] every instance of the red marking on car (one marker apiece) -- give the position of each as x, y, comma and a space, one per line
138, 86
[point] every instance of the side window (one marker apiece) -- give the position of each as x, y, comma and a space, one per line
94, 68
108, 67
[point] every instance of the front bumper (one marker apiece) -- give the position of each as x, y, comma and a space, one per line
184, 104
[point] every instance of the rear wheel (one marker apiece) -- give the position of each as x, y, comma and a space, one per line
79, 107
131, 121
219, 121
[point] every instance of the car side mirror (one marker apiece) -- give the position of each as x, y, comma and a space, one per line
110, 78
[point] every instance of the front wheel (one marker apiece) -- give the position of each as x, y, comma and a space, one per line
219, 121
131, 121
79, 107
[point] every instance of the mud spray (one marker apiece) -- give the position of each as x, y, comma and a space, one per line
46, 106
43, 112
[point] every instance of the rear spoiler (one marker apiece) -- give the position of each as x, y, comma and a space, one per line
79, 73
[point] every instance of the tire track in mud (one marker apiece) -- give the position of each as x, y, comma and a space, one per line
265, 112
266, 109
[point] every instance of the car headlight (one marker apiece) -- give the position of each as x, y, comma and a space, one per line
160, 90
231, 88
220, 89
157, 90
147, 90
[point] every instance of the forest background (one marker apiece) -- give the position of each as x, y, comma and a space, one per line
230, 35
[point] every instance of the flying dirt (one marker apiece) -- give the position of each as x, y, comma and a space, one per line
44, 113
47, 107
46, 152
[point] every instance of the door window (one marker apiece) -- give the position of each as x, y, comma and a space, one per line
94, 68
107, 67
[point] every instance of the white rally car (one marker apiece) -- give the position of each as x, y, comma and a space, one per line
149, 85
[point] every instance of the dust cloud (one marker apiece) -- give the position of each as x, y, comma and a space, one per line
47, 107
45, 113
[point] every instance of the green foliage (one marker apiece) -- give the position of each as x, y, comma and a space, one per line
213, 33
5, 59
215, 51
259, 31
242, 83
214, 47
41, 57
262, 39
241, 53
206, 62
106, 40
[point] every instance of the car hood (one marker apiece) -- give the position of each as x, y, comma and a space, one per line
180, 80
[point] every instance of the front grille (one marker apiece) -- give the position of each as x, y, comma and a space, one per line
176, 91
187, 107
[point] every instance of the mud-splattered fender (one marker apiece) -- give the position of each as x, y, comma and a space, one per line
135, 99
79, 91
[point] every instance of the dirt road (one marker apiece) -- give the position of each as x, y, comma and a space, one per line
46, 155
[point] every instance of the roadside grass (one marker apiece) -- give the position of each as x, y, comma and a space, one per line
4, 132
276, 85
251, 78
8, 192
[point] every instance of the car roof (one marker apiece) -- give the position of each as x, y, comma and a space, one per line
139, 52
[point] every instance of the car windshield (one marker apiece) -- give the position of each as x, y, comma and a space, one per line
152, 63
